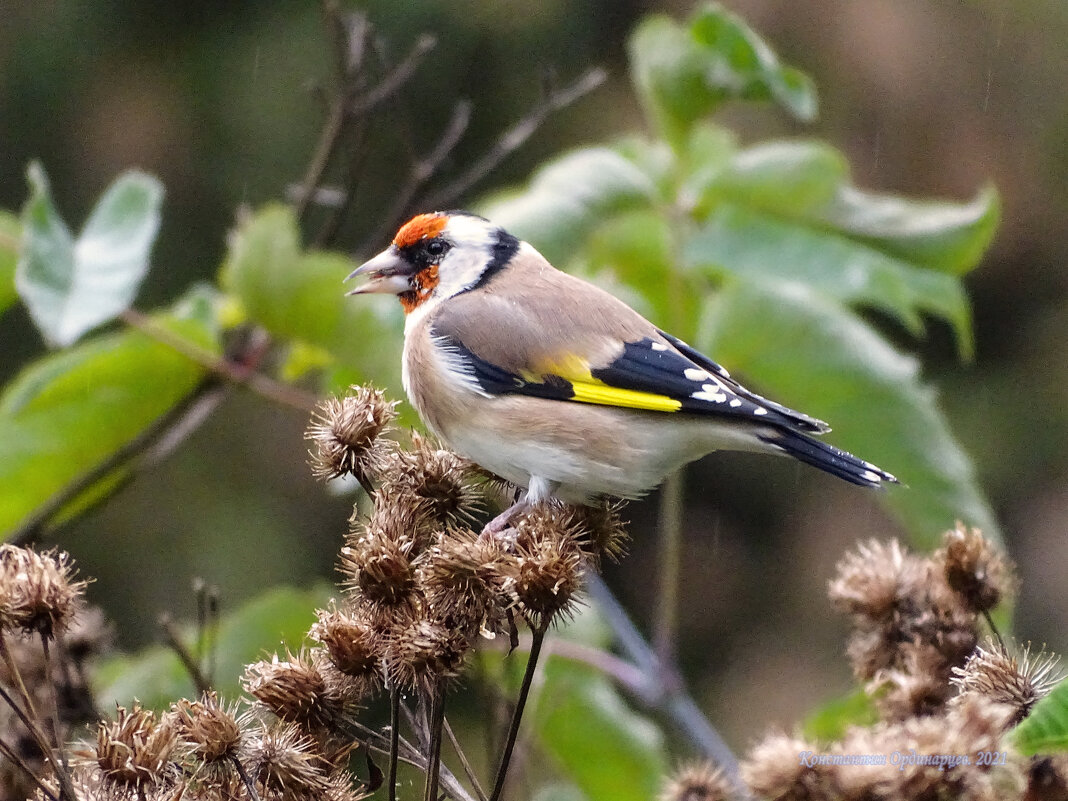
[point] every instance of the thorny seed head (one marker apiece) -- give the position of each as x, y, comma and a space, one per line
212, 731
918, 686
441, 482
898, 601
346, 433
774, 769
134, 750
424, 652
294, 690
1018, 681
38, 592
698, 781
463, 581
973, 568
285, 762
379, 569
604, 527
547, 568
355, 646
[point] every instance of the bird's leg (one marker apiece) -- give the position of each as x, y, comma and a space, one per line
503, 522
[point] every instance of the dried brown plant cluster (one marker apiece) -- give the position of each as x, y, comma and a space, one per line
943, 700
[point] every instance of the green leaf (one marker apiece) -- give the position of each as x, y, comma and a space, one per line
941, 235
828, 723
685, 73
793, 178
10, 233
808, 352
567, 198
65, 414
71, 286
274, 621
604, 747
1045, 730
752, 245
301, 297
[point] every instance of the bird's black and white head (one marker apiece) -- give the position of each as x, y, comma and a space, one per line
435, 256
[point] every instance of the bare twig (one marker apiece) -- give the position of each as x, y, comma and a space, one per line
245, 778
516, 136
66, 788
394, 741
422, 170
470, 771
18, 762
437, 717
396, 78
174, 642
236, 373
53, 717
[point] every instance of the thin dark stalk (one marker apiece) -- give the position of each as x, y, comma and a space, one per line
54, 711
170, 635
470, 771
16, 674
66, 788
994, 629
537, 640
18, 762
437, 717
669, 568
516, 136
394, 741
245, 778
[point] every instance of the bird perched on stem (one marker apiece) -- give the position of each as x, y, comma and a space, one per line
557, 386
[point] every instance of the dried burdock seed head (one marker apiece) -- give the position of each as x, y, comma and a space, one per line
546, 570
463, 581
776, 769
974, 568
873, 580
379, 569
38, 591
604, 528
1018, 681
347, 431
134, 750
343, 788
355, 646
212, 731
423, 653
1047, 778
920, 686
444, 483
284, 762
699, 781
295, 690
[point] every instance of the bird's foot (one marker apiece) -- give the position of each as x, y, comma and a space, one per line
500, 528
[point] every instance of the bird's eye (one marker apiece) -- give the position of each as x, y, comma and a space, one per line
435, 247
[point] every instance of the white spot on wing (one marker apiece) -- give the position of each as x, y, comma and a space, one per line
697, 374
760, 410
455, 367
708, 393
735, 403
658, 346
874, 478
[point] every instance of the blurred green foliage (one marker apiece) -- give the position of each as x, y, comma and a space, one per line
765, 256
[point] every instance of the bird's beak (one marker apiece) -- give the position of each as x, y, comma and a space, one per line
388, 272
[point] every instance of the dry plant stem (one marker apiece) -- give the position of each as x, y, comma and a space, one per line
14, 671
170, 634
245, 778
994, 629
437, 717
242, 374
669, 527
661, 691
18, 762
66, 789
516, 136
53, 717
536, 642
468, 770
394, 741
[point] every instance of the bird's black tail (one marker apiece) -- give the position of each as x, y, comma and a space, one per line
829, 458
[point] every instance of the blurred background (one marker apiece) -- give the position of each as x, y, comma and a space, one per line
926, 97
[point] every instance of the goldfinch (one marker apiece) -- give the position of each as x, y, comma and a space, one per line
557, 386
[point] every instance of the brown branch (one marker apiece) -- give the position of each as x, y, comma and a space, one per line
20, 763
464, 762
170, 636
516, 136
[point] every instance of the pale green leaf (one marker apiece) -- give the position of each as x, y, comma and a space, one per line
10, 234
67, 412
1045, 730
787, 341
71, 286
